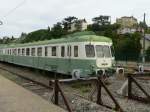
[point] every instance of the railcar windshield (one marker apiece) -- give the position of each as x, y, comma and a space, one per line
90, 52
103, 51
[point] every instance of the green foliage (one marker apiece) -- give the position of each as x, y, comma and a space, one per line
68, 21
128, 47
57, 31
101, 20
37, 35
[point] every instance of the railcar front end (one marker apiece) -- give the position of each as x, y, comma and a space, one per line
99, 60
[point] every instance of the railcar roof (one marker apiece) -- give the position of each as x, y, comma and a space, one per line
76, 37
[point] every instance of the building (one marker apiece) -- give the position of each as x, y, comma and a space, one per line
126, 30
78, 25
127, 24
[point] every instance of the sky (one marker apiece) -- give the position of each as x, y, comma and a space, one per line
29, 15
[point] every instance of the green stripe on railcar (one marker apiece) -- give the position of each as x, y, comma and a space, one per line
60, 65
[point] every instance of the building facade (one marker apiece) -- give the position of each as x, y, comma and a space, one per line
78, 25
127, 24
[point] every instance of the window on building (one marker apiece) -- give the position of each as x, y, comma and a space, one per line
75, 51
32, 51
27, 51
39, 51
89, 50
46, 51
23, 51
62, 51
69, 51
54, 51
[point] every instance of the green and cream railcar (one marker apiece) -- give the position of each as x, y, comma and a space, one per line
80, 55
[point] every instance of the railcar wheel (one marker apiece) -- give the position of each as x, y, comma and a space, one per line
76, 74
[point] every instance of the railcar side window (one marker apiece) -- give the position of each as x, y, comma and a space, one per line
39, 51
23, 52
7, 51
69, 51
89, 50
14, 51
10, 52
46, 51
62, 51
19, 51
75, 51
27, 51
33, 52
54, 51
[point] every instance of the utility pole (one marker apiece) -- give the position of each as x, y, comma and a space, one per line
143, 53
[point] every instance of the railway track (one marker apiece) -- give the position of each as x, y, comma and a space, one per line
42, 88
37, 87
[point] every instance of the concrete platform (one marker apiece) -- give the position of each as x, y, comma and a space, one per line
14, 98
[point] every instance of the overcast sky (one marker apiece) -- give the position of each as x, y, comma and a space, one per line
32, 15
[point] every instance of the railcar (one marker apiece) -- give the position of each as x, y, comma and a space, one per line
82, 54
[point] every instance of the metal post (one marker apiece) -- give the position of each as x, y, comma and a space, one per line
56, 91
143, 52
64, 98
99, 98
140, 87
129, 87
100, 83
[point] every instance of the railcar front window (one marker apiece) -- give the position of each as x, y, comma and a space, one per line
99, 51
103, 51
90, 51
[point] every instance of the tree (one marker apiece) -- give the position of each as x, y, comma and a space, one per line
128, 47
101, 20
57, 30
78, 24
67, 22
48, 29
143, 25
